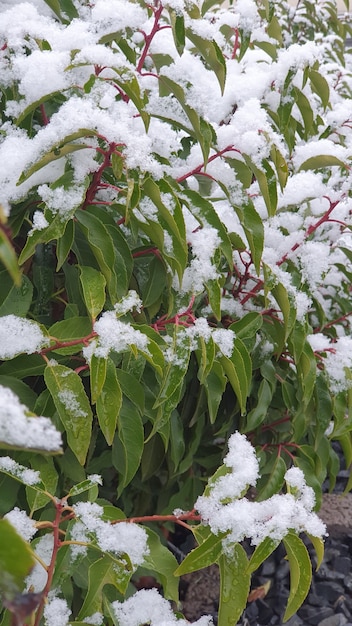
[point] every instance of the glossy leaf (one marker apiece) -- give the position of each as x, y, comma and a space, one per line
161, 562
104, 571
128, 443
93, 287
234, 585
109, 403
72, 406
300, 573
8, 258
202, 556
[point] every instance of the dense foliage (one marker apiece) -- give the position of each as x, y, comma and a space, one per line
176, 264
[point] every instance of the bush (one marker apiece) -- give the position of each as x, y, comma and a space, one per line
176, 273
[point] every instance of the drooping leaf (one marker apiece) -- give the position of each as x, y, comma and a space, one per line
300, 573
93, 287
234, 585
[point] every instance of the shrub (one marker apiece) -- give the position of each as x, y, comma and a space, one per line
175, 266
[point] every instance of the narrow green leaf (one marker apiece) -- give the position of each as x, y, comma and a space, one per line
256, 416
234, 586
109, 402
102, 247
204, 555
253, 227
9, 258
132, 388
203, 131
104, 571
81, 487
162, 563
128, 444
16, 559
97, 366
49, 475
215, 385
319, 161
272, 483
320, 86
211, 54
64, 244
318, 544
300, 573
261, 553
248, 325
93, 286
72, 406
178, 30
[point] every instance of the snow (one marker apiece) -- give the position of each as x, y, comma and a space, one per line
37, 578
24, 525
114, 335
148, 606
19, 428
121, 538
56, 612
25, 475
18, 335
224, 510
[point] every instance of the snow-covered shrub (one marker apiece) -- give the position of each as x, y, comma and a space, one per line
175, 265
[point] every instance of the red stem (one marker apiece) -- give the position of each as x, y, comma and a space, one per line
197, 170
149, 38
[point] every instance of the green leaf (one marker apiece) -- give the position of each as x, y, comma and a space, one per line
267, 184
173, 223
300, 573
256, 416
64, 244
162, 563
253, 227
9, 258
109, 403
205, 212
97, 366
178, 30
287, 307
72, 329
248, 325
128, 444
132, 388
318, 544
212, 55
45, 465
102, 247
81, 487
320, 86
215, 385
204, 555
234, 586
319, 161
15, 300
307, 372
104, 571
272, 483
203, 131
238, 369
261, 553
72, 406
93, 287
16, 559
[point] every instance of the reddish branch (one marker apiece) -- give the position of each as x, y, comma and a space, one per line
199, 168
96, 183
66, 344
149, 38
186, 318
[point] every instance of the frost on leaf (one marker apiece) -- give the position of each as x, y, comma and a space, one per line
20, 429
